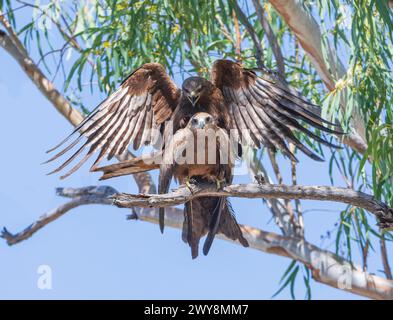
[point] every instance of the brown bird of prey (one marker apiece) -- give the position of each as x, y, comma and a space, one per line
263, 112
202, 152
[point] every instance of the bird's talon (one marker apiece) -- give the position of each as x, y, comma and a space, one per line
193, 181
190, 183
260, 179
219, 183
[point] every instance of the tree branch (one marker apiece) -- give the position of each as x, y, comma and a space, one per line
238, 41
266, 191
67, 37
326, 267
276, 206
384, 256
271, 38
253, 35
44, 85
89, 195
288, 205
12, 34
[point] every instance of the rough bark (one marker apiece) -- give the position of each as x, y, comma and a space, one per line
266, 191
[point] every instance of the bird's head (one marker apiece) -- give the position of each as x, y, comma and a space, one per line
201, 120
194, 87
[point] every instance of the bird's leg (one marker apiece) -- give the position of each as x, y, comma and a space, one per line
133, 215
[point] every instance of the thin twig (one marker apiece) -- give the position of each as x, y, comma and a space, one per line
271, 38
384, 255
238, 43
224, 29
300, 220
254, 37
79, 197
276, 206
69, 38
280, 180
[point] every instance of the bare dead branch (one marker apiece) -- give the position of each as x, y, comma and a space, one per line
266, 191
53, 215
79, 197
326, 267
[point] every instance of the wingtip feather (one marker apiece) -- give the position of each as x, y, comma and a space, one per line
161, 218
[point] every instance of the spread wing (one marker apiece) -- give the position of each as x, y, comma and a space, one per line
134, 113
265, 112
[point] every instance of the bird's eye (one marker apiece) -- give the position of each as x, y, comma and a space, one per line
194, 121
208, 119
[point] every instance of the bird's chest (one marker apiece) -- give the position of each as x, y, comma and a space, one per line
208, 172
200, 159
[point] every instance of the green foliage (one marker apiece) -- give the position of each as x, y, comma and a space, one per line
118, 36
288, 280
363, 29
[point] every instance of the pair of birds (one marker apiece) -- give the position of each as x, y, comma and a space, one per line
260, 111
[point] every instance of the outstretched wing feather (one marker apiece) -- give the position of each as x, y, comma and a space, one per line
126, 116
268, 111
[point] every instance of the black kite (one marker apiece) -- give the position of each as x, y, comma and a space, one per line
263, 112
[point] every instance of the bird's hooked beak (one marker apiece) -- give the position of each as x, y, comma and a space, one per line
201, 124
198, 123
193, 97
